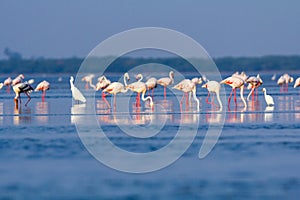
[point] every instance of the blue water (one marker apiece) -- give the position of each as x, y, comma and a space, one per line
42, 156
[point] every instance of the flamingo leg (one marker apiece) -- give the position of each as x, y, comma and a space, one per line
152, 94
43, 95
212, 99
186, 99
253, 92
115, 104
165, 92
8, 89
235, 97
29, 98
105, 100
86, 86
229, 98
208, 95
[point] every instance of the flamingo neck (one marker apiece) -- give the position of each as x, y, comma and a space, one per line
141, 78
242, 96
125, 81
148, 97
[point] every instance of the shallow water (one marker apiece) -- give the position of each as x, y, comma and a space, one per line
42, 156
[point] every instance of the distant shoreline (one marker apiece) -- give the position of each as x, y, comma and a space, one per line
225, 64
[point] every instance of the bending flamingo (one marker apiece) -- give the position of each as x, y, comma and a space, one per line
214, 87
187, 86
235, 82
88, 79
18, 79
254, 83
166, 81
22, 88
140, 87
43, 86
103, 82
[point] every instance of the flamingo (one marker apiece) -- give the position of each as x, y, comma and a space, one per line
7, 83
213, 86
103, 82
18, 79
273, 78
186, 86
288, 79
43, 86
269, 99
254, 83
88, 79
140, 87
166, 81
235, 82
1, 85
22, 88
117, 87
76, 94
297, 82
151, 83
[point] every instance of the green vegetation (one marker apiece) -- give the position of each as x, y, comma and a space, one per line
71, 65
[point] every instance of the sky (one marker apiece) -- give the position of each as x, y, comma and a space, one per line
61, 28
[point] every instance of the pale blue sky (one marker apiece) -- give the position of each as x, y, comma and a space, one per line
224, 28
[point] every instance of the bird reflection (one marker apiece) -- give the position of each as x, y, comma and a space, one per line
297, 109
213, 117
268, 116
76, 113
235, 116
42, 111
1, 113
22, 115
254, 107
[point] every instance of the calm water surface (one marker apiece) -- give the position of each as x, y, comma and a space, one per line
42, 157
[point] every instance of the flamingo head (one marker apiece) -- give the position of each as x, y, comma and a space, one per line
204, 86
291, 79
139, 77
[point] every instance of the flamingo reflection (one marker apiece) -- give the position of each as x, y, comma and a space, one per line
42, 111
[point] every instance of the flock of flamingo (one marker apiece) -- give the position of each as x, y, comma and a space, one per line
20, 86
187, 86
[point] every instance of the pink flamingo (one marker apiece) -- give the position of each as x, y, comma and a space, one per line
7, 82
151, 83
18, 79
254, 82
103, 82
88, 79
235, 82
43, 86
214, 87
166, 81
140, 87
187, 86
117, 87
297, 82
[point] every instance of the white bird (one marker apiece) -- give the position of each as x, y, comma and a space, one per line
297, 82
273, 78
166, 81
76, 94
43, 86
269, 99
7, 83
103, 83
213, 86
22, 88
1, 85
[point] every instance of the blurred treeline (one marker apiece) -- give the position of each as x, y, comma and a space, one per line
122, 64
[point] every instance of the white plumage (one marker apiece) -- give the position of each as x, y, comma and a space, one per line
76, 94
269, 99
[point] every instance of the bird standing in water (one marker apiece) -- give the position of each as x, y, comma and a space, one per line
268, 98
22, 88
43, 86
76, 94
165, 82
